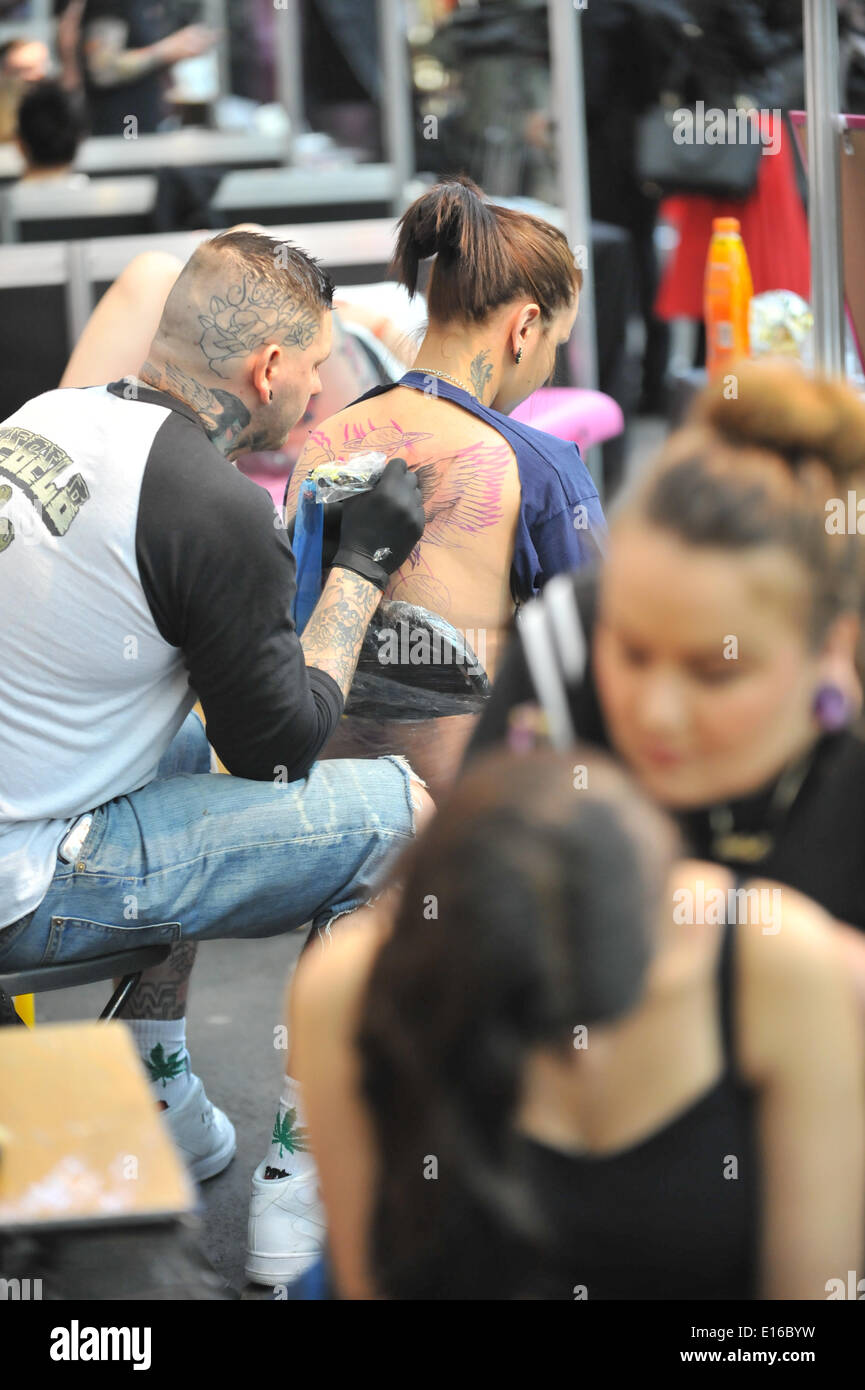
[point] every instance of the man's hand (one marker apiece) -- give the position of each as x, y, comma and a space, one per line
189, 42
380, 528
378, 531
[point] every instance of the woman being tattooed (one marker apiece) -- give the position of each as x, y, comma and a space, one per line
507, 506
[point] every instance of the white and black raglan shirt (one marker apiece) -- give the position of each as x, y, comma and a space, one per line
139, 570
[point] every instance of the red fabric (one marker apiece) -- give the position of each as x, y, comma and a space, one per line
774, 230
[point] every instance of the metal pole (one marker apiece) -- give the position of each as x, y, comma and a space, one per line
216, 17
79, 289
396, 104
823, 100
566, 69
289, 66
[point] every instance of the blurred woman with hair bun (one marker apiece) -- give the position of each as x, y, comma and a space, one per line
725, 636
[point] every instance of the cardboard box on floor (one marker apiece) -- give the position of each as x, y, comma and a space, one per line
81, 1140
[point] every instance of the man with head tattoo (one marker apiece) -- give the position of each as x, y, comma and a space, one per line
155, 575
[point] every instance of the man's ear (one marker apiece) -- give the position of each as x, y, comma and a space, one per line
265, 371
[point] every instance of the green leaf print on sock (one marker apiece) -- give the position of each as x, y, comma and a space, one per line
164, 1068
287, 1136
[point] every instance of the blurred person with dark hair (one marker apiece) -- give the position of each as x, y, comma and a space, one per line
543, 1073
126, 49
50, 128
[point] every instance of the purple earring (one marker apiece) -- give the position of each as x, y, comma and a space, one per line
831, 708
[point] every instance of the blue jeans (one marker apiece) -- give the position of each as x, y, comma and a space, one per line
197, 855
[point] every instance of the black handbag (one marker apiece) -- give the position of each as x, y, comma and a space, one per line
705, 67
666, 165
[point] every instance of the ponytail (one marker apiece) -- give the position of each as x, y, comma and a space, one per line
486, 255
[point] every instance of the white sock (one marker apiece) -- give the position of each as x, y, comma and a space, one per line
288, 1155
162, 1045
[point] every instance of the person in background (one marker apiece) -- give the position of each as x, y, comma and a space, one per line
126, 50
725, 638
507, 506
748, 47
183, 582
50, 129
22, 62
558, 1085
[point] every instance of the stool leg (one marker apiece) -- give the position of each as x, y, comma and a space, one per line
120, 996
25, 1008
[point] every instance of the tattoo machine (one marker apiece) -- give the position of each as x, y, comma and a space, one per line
318, 513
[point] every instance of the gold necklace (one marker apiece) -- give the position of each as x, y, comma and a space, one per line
751, 847
431, 371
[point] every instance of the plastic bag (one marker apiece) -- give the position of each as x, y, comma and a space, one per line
346, 477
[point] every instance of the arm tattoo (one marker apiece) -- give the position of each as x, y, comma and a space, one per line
480, 371
333, 636
253, 313
109, 62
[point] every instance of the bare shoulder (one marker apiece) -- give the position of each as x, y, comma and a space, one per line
151, 273
796, 994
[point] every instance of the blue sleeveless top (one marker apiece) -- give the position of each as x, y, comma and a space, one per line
561, 525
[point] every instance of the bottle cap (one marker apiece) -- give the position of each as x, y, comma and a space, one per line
726, 224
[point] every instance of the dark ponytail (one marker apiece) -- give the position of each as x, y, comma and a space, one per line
527, 909
486, 255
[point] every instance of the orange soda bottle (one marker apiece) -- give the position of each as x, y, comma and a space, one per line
727, 292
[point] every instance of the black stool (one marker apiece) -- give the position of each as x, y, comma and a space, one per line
126, 964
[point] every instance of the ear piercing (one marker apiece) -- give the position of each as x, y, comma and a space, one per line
518, 356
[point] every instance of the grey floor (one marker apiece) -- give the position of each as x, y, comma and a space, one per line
235, 1003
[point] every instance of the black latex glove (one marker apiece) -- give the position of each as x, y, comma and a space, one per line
386, 522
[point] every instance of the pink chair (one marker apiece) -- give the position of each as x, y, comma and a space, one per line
584, 417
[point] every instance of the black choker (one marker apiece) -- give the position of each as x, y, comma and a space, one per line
729, 845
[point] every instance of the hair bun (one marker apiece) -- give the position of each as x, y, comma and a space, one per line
777, 406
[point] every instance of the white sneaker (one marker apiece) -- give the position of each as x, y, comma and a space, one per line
203, 1134
287, 1227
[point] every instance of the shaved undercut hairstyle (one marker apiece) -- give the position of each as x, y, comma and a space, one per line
272, 262
240, 290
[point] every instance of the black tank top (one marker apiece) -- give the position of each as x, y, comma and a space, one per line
676, 1216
